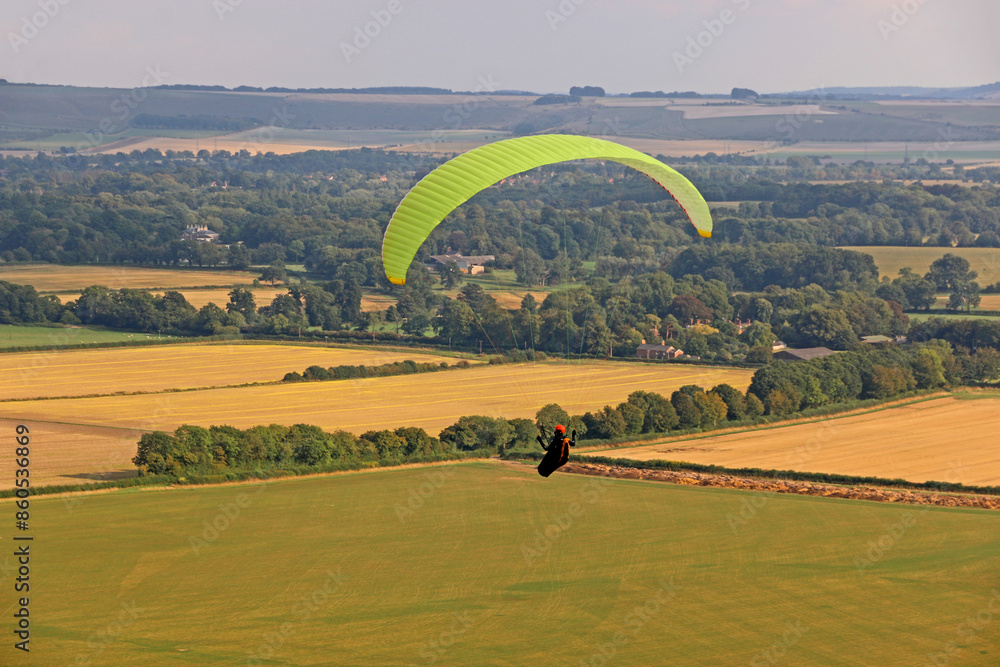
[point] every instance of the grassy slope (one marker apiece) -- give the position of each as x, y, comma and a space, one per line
454, 573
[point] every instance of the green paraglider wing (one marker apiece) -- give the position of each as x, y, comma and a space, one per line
454, 182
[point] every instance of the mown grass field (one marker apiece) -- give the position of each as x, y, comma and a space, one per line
109, 371
68, 278
25, 336
943, 439
890, 259
324, 571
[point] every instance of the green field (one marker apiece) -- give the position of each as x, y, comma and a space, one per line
80, 140
451, 565
21, 336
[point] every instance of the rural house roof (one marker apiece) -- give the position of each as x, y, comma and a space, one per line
875, 340
805, 354
460, 259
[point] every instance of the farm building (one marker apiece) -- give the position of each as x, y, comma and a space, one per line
200, 233
472, 264
877, 340
805, 354
778, 345
661, 351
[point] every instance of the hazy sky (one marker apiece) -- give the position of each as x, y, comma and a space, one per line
537, 45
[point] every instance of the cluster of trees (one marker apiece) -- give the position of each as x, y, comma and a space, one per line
587, 91
754, 267
329, 306
198, 449
345, 372
133, 208
21, 304
877, 373
603, 318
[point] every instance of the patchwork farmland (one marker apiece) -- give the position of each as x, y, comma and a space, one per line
430, 401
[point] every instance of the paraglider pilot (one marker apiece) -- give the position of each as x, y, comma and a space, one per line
557, 453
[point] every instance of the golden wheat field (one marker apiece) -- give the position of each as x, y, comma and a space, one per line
64, 278
944, 439
431, 400
987, 302
890, 259
201, 297
86, 372
73, 454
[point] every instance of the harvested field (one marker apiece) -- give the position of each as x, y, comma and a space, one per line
288, 140
430, 401
698, 111
964, 152
943, 439
87, 372
890, 259
65, 278
202, 297
73, 454
690, 147
987, 302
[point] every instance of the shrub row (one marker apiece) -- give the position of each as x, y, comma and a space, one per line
345, 372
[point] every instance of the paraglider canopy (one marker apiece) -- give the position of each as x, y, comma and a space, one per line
455, 181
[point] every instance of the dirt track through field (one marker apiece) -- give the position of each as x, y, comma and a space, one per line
876, 494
